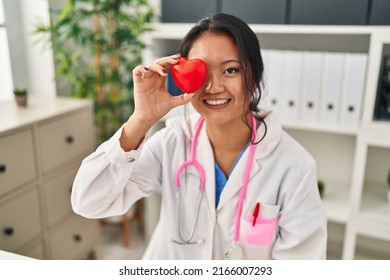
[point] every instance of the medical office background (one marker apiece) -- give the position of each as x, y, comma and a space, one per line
327, 76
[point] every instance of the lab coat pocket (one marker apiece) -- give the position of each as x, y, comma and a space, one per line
262, 233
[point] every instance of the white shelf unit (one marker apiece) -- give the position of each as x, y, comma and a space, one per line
348, 158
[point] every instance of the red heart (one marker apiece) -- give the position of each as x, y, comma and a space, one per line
189, 75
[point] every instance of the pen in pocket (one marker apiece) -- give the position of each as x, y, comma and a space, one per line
256, 213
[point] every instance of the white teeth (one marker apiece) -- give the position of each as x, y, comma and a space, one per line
217, 102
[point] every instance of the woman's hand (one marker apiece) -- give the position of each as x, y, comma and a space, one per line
152, 100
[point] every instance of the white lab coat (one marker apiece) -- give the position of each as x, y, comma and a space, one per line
291, 223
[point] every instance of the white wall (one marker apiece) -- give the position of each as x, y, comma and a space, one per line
32, 60
39, 58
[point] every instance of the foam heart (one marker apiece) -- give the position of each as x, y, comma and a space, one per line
189, 74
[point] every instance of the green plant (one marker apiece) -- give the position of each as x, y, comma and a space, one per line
20, 91
96, 44
321, 187
388, 179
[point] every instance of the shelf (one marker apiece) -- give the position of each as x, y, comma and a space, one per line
336, 202
335, 242
319, 127
38, 109
289, 37
375, 204
368, 248
178, 30
378, 134
334, 153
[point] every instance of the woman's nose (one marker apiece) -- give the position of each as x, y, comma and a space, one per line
213, 84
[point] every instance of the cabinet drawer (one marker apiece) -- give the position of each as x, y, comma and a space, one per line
19, 221
35, 252
57, 195
74, 237
64, 139
17, 165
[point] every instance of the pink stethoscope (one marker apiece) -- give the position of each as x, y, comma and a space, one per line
234, 250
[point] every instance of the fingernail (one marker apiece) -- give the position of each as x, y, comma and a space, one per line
165, 70
175, 56
146, 68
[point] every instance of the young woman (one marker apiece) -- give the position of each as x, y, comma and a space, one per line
233, 183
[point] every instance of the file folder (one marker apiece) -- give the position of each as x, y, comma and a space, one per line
311, 86
265, 99
291, 93
273, 78
332, 88
353, 89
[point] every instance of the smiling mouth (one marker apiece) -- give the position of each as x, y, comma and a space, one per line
213, 102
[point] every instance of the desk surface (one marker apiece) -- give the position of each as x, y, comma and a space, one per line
12, 256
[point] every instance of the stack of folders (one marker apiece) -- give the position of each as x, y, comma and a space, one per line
315, 87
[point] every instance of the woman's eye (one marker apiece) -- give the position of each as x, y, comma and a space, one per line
231, 70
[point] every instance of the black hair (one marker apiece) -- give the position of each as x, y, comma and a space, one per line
248, 52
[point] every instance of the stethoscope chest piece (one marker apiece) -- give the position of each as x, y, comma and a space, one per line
234, 252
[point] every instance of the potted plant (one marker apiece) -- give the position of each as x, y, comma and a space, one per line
21, 96
321, 187
96, 44
388, 185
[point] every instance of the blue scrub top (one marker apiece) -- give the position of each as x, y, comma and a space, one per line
221, 179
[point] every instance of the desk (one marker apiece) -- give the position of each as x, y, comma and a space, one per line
12, 256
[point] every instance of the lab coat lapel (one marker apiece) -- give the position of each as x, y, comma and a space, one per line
234, 183
270, 141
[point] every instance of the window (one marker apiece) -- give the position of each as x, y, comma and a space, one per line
6, 83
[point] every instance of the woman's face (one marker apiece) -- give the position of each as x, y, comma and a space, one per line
221, 98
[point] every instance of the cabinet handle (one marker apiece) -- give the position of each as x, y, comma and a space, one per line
77, 237
3, 168
9, 231
69, 139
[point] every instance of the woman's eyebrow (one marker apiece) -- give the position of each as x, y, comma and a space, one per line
230, 61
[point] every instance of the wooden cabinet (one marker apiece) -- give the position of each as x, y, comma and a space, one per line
41, 148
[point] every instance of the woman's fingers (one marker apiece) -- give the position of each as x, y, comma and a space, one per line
182, 99
160, 66
140, 71
168, 61
156, 68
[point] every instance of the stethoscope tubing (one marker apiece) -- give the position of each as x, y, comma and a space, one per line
188, 240
193, 162
245, 182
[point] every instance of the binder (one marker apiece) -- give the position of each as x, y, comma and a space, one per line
265, 102
311, 86
291, 93
332, 88
353, 89
273, 78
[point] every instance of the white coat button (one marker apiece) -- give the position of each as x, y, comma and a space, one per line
130, 159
